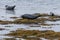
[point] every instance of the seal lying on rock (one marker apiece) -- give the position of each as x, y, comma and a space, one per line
29, 16
10, 7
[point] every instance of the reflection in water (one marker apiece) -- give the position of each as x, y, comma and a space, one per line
10, 12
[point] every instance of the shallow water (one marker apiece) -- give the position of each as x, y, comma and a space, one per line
29, 7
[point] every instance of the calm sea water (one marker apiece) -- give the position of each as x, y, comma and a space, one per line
28, 7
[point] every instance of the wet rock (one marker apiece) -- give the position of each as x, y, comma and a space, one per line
13, 17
